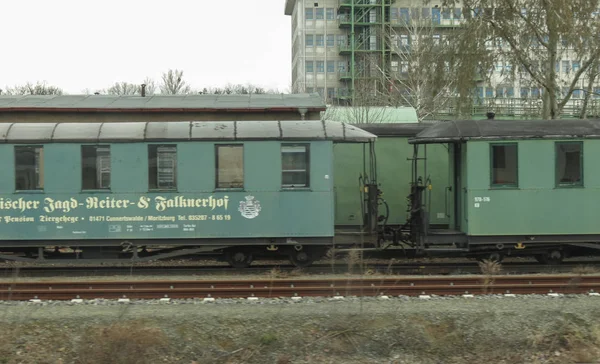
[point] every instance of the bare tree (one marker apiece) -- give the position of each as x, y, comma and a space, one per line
123, 88
592, 77
173, 83
126, 88
370, 105
529, 40
150, 86
422, 70
419, 70
238, 89
40, 88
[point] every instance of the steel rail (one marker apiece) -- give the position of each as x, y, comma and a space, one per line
408, 286
190, 269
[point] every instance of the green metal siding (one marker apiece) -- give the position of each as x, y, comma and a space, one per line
190, 177
129, 167
537, 206
65, 160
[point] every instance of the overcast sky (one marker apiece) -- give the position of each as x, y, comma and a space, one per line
77, 44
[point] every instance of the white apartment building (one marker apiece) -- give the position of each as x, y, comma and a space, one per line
328, 36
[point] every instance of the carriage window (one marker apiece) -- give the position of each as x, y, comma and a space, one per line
29, 168
162, 167
95, 167
230, 166
504, 165
294, 165
569, 164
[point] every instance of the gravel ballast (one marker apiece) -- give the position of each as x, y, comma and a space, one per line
524, 329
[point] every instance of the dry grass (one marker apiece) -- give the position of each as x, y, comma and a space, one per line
578, 344
354, 258
277, 273
121, 343
585, 269
489, 269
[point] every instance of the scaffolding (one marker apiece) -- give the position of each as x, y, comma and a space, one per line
366, 21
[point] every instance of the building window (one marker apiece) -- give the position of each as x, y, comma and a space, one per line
162, 167
295, 165
320, 66
330, 66
308, 13
95, 167
341, 40
457, 13
569, 164
309, 40
320, 13
330, 40
330, 93
504, 165
404, 16
446, 14
330, 14
320, 40
310, 66
29, 168
230, 166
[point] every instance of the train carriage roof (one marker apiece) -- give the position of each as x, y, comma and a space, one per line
182, 131
394, 129
466, 130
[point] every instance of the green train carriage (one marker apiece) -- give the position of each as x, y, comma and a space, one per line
522, 188
151, 190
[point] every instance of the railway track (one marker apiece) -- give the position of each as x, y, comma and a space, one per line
338, 268
277, 288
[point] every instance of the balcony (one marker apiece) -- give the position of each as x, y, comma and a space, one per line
345, 21
346, 49
344, 94
345, 76
363, 3
426, 23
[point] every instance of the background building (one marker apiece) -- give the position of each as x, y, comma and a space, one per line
355, 52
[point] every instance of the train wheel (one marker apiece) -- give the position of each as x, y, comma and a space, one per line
551, 257
302, 258
239, 258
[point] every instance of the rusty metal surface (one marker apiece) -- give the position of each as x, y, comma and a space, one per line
408, 286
